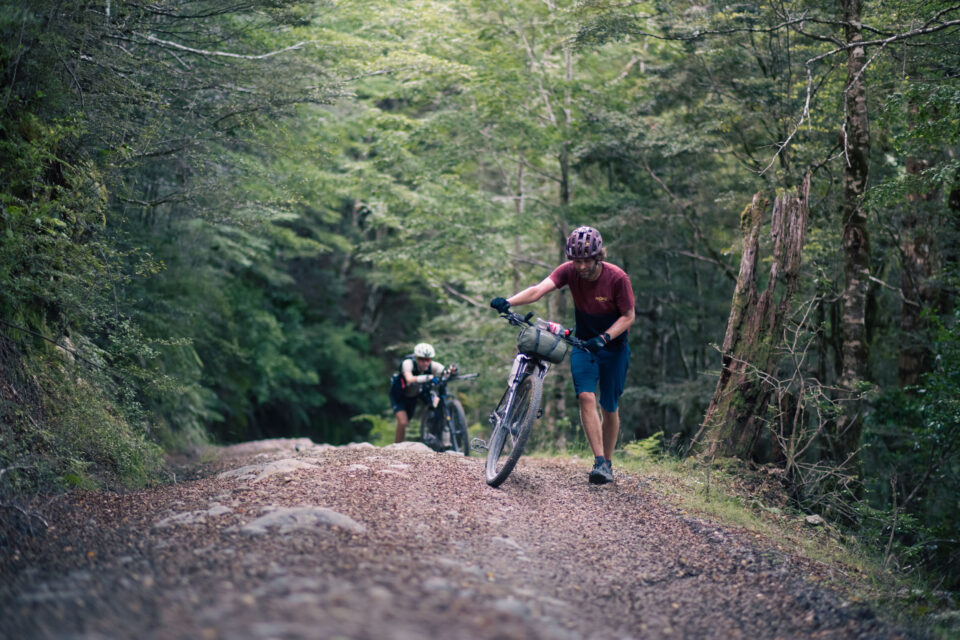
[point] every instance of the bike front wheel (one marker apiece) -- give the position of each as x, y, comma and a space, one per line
512, 430
431, 422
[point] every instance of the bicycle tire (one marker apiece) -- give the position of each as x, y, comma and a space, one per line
426, 419
513, 430
459, 436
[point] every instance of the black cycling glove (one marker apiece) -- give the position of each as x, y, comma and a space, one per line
595, 343
500, 304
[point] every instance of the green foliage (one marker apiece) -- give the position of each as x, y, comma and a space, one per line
60, 427
919, 122
381, 429
913, 441
647, 449
66, 420
50, 210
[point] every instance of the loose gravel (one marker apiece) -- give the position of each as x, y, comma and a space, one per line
286, 539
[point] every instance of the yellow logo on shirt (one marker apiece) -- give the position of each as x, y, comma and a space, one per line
602, 299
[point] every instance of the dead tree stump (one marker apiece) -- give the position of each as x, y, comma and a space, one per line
734, 420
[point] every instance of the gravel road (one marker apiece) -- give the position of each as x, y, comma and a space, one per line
286, 539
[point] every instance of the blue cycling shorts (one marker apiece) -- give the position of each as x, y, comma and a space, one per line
608, 368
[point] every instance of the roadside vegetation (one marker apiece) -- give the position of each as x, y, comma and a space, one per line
756, 498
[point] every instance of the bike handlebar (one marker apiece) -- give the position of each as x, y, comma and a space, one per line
518, 320
448, 378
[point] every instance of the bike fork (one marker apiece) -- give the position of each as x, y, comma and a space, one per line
523, 366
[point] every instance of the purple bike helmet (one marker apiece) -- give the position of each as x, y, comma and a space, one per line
584, 242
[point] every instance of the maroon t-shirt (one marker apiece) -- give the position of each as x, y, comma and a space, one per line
598, 303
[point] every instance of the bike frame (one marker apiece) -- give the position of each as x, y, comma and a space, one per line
443, 410
504, 420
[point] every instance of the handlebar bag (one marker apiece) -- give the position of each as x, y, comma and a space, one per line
542, 344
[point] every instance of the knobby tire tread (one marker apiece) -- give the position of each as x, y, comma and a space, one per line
459, 436
497, 441
425, 423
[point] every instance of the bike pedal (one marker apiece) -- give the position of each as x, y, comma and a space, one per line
478, 444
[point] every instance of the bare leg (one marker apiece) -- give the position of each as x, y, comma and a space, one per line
590, 420
401, 432
611, 428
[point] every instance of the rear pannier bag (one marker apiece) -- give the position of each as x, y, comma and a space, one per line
543, 344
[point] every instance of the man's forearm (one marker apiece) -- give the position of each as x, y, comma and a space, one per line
526, 296
622, 324
533, 292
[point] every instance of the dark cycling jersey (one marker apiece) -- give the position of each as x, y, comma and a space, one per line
598, 303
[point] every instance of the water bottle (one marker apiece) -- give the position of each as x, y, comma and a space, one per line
552, 327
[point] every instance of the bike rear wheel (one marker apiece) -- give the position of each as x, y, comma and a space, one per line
459, 437
512, 430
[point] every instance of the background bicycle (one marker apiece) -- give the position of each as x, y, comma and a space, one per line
443, 425
539, 345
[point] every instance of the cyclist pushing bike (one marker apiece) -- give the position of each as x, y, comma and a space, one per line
603, 300
417, 369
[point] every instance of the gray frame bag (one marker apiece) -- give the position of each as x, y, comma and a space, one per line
534, 341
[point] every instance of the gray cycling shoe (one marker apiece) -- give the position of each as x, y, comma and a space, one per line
602, 473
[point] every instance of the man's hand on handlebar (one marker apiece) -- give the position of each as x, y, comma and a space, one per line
594, 344
500, 304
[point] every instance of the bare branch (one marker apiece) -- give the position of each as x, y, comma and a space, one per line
449, 289
533, 261
696, 256
682, 208
26, 514
172, 197
72, 352
897, 289
885, 41
222, 54
626, 69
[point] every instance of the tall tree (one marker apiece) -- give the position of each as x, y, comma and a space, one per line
845, 440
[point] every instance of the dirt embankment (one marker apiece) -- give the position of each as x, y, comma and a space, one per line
286, 539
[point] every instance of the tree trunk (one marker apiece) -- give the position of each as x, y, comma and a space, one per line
918, 264
555, 403
915, 357
519, 204
735, 418
845, 436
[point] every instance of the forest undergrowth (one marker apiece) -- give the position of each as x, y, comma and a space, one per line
757, 498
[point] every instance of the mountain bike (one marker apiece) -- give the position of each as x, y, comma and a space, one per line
443, 425
538, 346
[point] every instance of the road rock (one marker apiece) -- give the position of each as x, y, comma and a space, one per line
308, 518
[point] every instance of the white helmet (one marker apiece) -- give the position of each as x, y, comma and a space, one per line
423, 350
